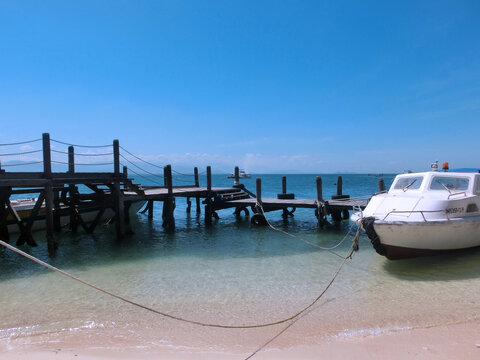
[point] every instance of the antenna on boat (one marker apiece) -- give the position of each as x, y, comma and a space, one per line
434, 166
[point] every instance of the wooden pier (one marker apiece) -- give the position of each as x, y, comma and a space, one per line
114, 192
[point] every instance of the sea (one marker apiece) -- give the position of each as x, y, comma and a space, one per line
231, 273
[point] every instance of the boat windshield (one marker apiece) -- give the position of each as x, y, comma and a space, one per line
449, 183
408, 182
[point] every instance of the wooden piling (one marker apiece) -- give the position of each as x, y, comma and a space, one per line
208, 197
197, 184
150, 209
381, 185
56, 211
4, 196
318, 182
118, 196
320, 211
339, 185
258, 186
72, 190
47, 173
169, 219
236, 180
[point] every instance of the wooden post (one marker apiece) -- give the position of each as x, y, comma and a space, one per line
318, 181
56, 210
197, 184
4, 196
47, 160
125, 172
337, 215
259, 218
339, 185
258, 184
284, 184
209, 179
171, 218
208, 198
116, 158
236, 181
150, 209
118, 197
71, 160
320, 212
168, 204
381, 185
72, 190
47, 173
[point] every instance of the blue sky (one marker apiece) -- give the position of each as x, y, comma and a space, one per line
271, 86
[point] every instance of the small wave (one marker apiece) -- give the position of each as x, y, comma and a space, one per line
349, 334
32, 330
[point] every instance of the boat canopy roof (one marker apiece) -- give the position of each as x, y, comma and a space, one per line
435, 181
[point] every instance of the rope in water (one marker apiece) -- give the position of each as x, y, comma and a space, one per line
178, 318
260, 207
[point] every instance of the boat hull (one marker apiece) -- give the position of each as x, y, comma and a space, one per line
400, 240
88, 213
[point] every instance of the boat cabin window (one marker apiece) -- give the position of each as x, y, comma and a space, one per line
408, 183
449, 183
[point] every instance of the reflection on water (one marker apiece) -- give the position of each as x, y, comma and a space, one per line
231, 273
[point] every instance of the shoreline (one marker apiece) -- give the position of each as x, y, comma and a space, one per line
454, 341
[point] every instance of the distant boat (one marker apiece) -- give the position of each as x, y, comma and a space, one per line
241, 174
377, 175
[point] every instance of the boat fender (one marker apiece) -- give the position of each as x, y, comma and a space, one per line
367, 224
258, 219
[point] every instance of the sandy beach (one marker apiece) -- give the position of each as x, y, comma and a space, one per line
456, 341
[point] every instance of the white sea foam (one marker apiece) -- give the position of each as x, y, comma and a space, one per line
369, 332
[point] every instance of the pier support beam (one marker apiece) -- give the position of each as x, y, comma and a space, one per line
72, 191
168, 204
381, 185
320, 212
337, 216
118, 196
197, 199
284, 196
258, 218
208, 198
47, 172
4, 198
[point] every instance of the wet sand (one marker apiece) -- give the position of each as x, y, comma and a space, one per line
455, 341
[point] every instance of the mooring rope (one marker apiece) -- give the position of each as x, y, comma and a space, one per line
178, 318
260, 207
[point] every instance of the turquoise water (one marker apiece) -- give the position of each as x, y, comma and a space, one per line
231, 273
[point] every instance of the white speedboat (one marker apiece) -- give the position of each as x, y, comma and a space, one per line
424, 213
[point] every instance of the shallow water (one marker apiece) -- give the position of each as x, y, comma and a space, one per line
230, 273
